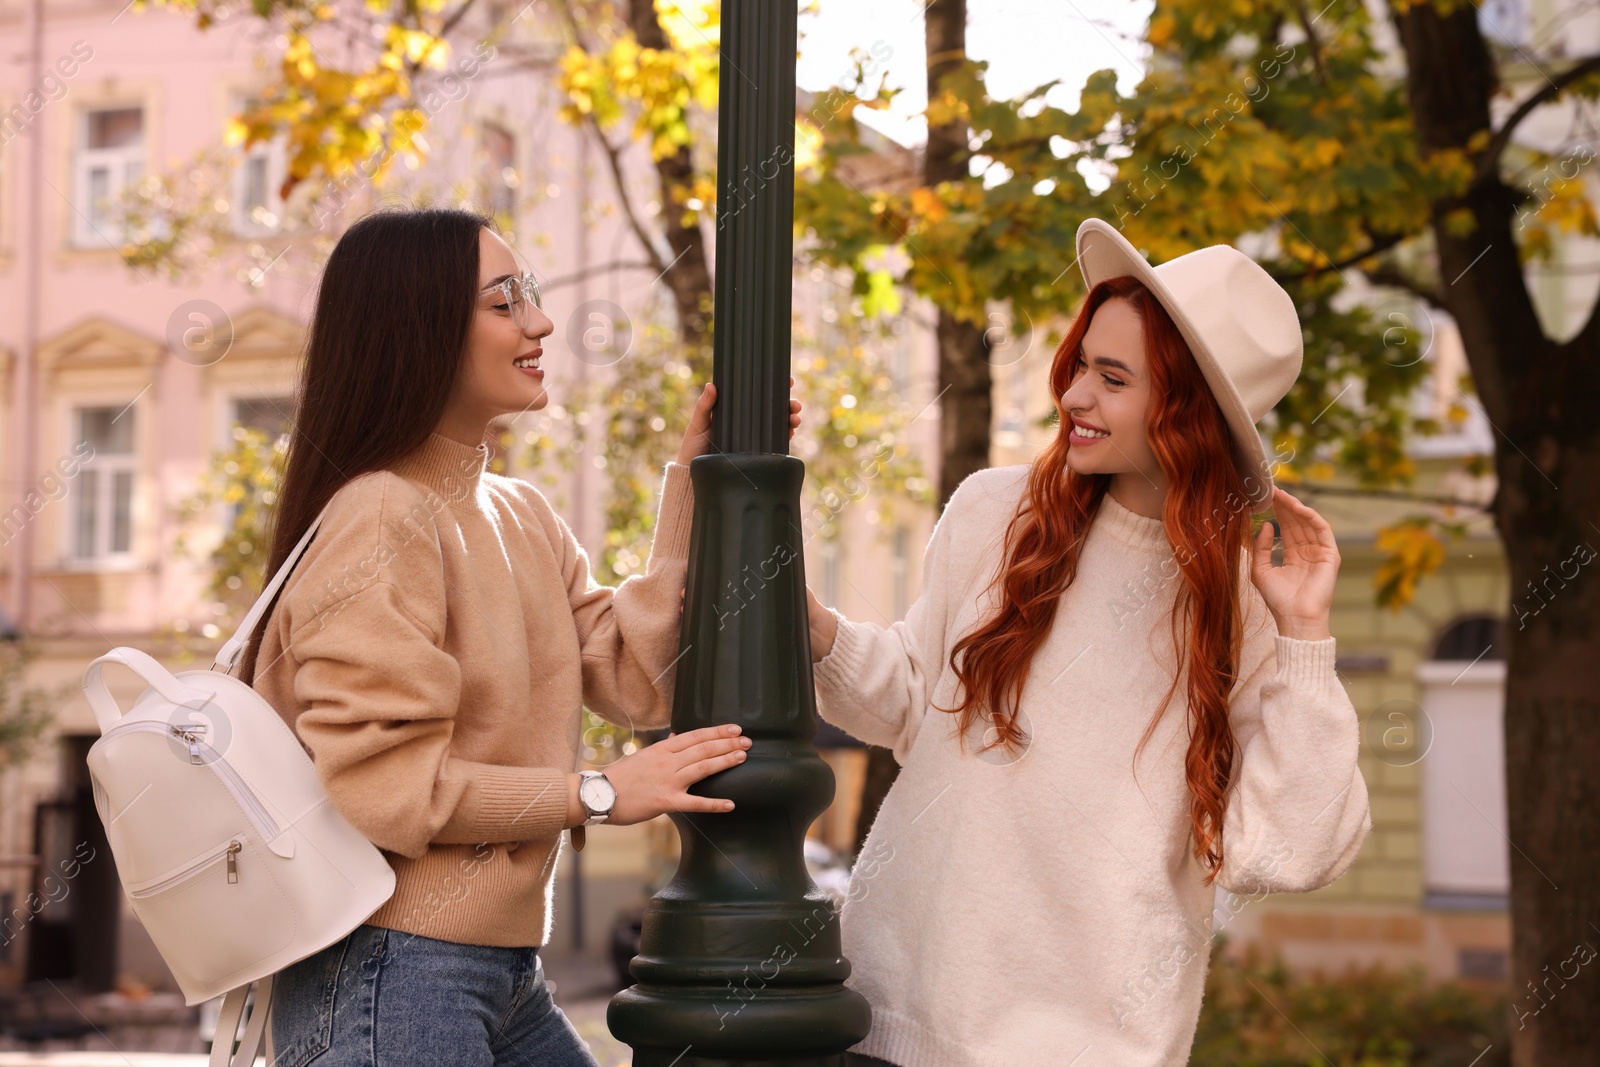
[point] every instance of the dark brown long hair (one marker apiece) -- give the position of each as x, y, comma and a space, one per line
386, 341
1207, 520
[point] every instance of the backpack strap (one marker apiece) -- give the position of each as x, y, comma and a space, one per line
222, 1054
228, 655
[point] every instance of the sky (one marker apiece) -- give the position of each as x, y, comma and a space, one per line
1026, 42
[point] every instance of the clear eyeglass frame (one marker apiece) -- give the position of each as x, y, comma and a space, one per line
518, 292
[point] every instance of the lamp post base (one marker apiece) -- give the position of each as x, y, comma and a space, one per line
739, 959
790, 1024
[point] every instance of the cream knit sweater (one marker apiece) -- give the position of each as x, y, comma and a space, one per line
433, 649
1046, 908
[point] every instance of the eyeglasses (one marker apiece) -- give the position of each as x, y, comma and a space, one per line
519, 292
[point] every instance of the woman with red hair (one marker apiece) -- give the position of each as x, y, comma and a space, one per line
1098, 717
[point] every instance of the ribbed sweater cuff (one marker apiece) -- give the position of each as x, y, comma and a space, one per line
844, 660
1306, 665
508, 804
674, 517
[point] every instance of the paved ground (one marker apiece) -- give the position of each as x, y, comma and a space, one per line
583, 988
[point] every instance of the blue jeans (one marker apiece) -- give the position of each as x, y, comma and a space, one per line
383, 998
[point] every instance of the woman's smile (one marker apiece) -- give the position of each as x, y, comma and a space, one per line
1084, 433
528, 363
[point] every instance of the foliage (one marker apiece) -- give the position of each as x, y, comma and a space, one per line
658, 88
855, 432
1256, 1014
1411, 549
183, 221
351, 121
364, 113
1255, 124
853, 437
641, 408
243, 481
26, 712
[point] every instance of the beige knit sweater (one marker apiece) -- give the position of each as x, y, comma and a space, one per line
433, 649
1045, 907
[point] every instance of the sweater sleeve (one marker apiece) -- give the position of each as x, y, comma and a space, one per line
380, 693
628, 636
876, 683
1298, 812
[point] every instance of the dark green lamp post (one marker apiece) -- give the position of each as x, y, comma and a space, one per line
740, 961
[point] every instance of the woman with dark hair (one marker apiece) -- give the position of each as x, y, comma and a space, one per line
1099, 721
436, 643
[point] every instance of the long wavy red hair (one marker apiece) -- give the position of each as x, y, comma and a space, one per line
1207, 519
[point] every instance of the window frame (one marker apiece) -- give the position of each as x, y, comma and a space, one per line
85, 232
103, 557
274, 156
495, 184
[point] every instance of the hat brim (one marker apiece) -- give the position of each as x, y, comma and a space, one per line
1104, 253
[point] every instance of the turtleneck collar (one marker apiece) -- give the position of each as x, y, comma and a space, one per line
1131, 529
448, 467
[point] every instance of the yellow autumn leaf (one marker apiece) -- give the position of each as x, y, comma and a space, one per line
1411, 550
1160, 31
926, 202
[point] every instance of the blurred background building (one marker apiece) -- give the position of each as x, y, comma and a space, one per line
94, 361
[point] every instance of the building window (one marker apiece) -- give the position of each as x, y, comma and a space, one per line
1507, 23
102, 523
257, 207
272, 415
500, 178
1456, 738
110, 159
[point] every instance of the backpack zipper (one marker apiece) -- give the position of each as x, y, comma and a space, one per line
230, 851
264, 823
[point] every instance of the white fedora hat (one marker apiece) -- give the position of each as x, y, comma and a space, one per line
1240, 324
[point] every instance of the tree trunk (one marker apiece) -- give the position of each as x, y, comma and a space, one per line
964, 375
965, 404
1539, 396
687, 276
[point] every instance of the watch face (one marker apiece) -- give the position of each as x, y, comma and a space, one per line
598, 794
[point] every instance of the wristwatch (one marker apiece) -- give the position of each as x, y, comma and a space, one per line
597, 795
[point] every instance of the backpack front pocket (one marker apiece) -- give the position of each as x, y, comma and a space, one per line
224, 907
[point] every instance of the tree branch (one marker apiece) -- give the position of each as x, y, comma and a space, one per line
412, 66
1553, 87
1397, 279
1379, 245
1306, 24
613, 156
604, 268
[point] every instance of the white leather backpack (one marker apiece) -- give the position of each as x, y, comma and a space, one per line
231, 853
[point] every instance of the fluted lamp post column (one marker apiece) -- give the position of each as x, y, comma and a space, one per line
739, 961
